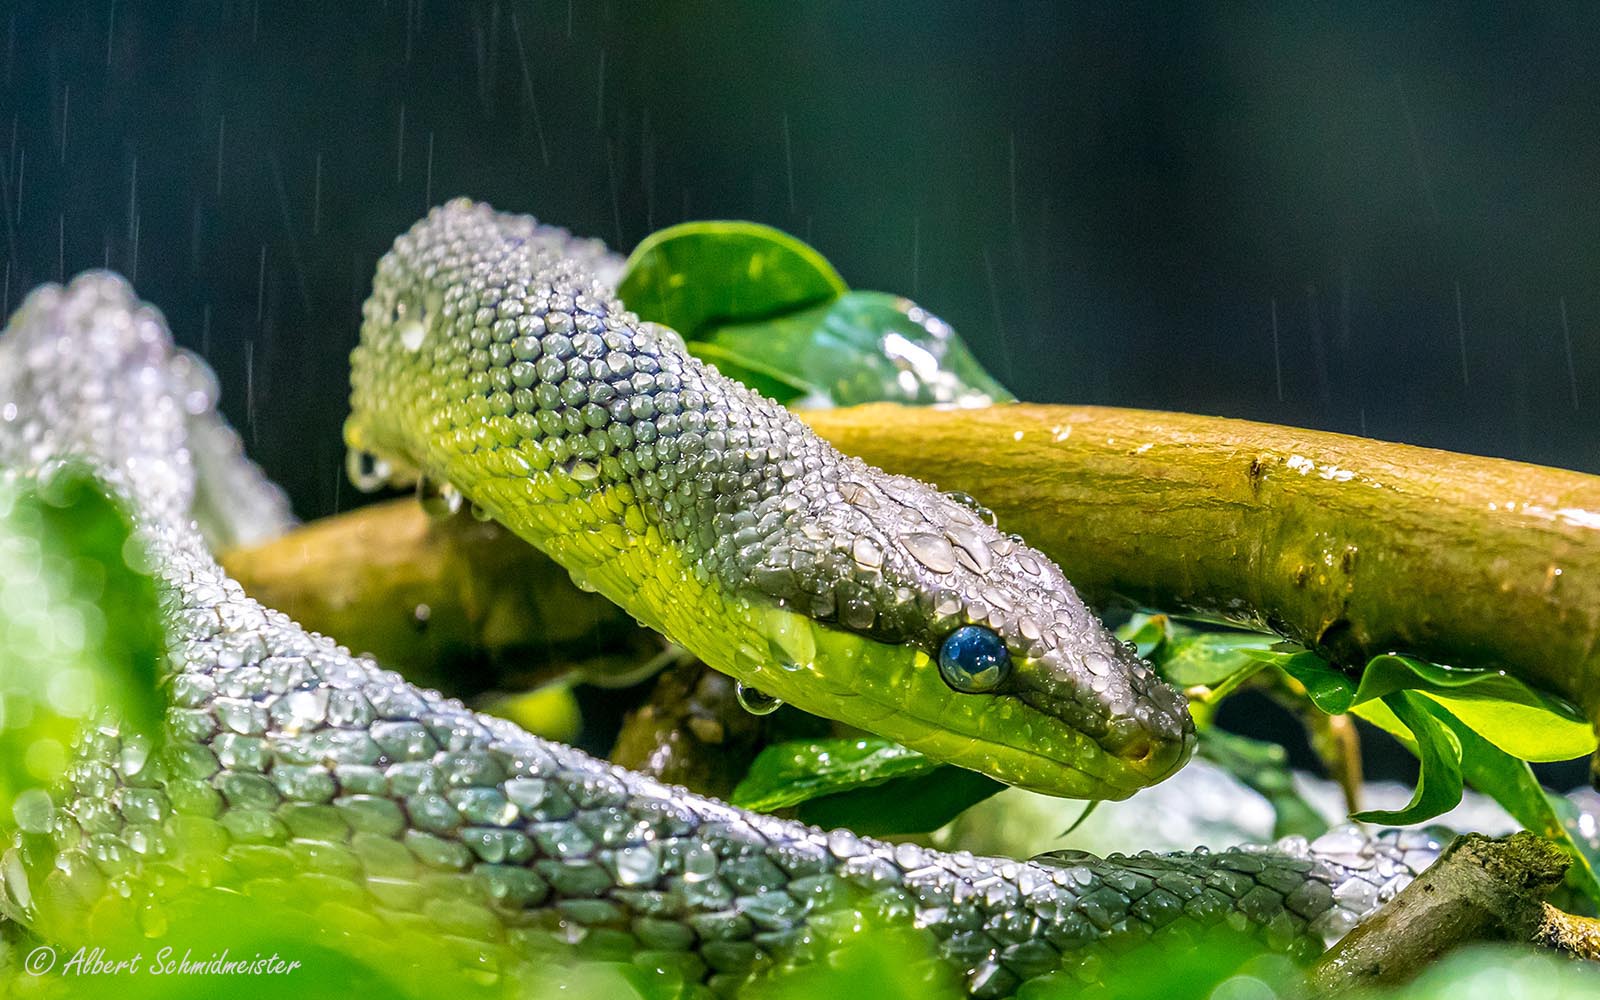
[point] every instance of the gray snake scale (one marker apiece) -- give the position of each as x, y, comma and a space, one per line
288, 760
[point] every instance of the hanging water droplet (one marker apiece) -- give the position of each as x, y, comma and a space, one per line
478, 513
438, 498
368, 473
755, 701
970, 502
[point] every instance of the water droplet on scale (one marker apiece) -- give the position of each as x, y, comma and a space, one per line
970, 502
438, 499
755, 701
368, 473
478, 513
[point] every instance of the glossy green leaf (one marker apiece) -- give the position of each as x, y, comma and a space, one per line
769, 311
840, 782
1514, 717
786, 774
1512, 783
700, 275
1146, 632
1264, 768
862, 347
921, 803
1439, 782
1213, 658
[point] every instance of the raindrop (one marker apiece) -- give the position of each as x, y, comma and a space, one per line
478, 513
367, 472
33, 811
756, 701
438, 498
970, 502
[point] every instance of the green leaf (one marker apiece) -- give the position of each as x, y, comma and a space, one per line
1439, 782
1512, 783
921, 803
1146, 632
1264, 768
1529, 724
786, 774
1213, 658
862, 347
840, 782
1329, 689
704, 274
769, 311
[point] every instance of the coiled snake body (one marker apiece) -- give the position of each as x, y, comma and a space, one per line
491, 359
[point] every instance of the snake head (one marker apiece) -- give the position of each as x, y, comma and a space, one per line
967, 643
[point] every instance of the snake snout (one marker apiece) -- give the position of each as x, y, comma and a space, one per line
1109, 694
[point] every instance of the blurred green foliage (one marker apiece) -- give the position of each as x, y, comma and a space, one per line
79, 632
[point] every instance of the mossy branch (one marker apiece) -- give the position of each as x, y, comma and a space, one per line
1479, 890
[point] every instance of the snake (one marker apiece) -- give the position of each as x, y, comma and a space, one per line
493, 358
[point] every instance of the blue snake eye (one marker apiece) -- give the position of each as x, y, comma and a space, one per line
973, 660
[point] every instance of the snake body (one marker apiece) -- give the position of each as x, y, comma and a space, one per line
293, 770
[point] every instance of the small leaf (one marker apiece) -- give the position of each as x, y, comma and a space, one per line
769, 311
1146, 632
1439, 783
1508, 713
862, 347
1212, 658
841, 782
550, 711
919, 803
786, 774
704, 274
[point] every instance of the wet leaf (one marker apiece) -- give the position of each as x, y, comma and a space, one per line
1512, 783
769, 311
1213, 658
785, 774
919, 803
1530, 724
1439, 782
843, 782
862, 347
701, 275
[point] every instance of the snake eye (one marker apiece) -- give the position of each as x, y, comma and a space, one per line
973, 660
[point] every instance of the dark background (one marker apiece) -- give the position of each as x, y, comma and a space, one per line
1374, 218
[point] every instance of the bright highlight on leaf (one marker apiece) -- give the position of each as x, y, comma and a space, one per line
769, 311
